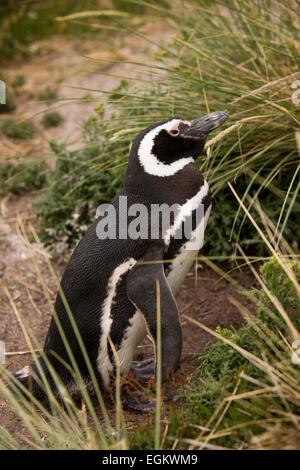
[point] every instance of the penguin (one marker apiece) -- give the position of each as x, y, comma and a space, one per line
110, 283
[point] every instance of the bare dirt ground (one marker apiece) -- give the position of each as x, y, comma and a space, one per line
62, 63
75, 69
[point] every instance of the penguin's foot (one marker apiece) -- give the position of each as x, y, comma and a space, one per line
141, 400
144, 371
137, 401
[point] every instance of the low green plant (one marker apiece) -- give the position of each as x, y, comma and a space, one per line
36, 21
48, 94
52, 119
17, 176
280, 285
18, 129
18, 81
237, 365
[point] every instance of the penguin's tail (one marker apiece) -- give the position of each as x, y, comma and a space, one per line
31, 378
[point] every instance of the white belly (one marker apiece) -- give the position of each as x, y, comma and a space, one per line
135, 333
183, 262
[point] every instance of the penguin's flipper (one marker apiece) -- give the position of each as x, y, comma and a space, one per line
141, 290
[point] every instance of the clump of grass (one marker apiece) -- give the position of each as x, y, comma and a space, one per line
35, 21
18, 81
194, 75
245, 392
221, 365
17, 177
248, 382
18, 129
48, 94
52, 119
279, 437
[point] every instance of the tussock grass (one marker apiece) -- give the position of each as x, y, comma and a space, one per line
52, 119
246, 390
21, 130
238, 57
33, 21
17, 177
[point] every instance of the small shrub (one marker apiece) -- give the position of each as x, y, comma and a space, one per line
18, 81
48, 94
52, 119
18, 129
20, 176
220, 365
37, 20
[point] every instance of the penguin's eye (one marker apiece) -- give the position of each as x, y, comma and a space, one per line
174, 132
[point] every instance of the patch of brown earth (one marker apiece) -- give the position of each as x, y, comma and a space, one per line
75, 69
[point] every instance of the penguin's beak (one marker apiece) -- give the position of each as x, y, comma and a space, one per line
204, 125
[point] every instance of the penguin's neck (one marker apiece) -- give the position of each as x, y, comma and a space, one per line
176, 188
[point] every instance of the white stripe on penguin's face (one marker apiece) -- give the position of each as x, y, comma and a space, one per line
150, 162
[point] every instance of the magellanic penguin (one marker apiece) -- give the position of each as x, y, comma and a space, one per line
110, 284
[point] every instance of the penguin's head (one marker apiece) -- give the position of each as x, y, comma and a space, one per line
166, 147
